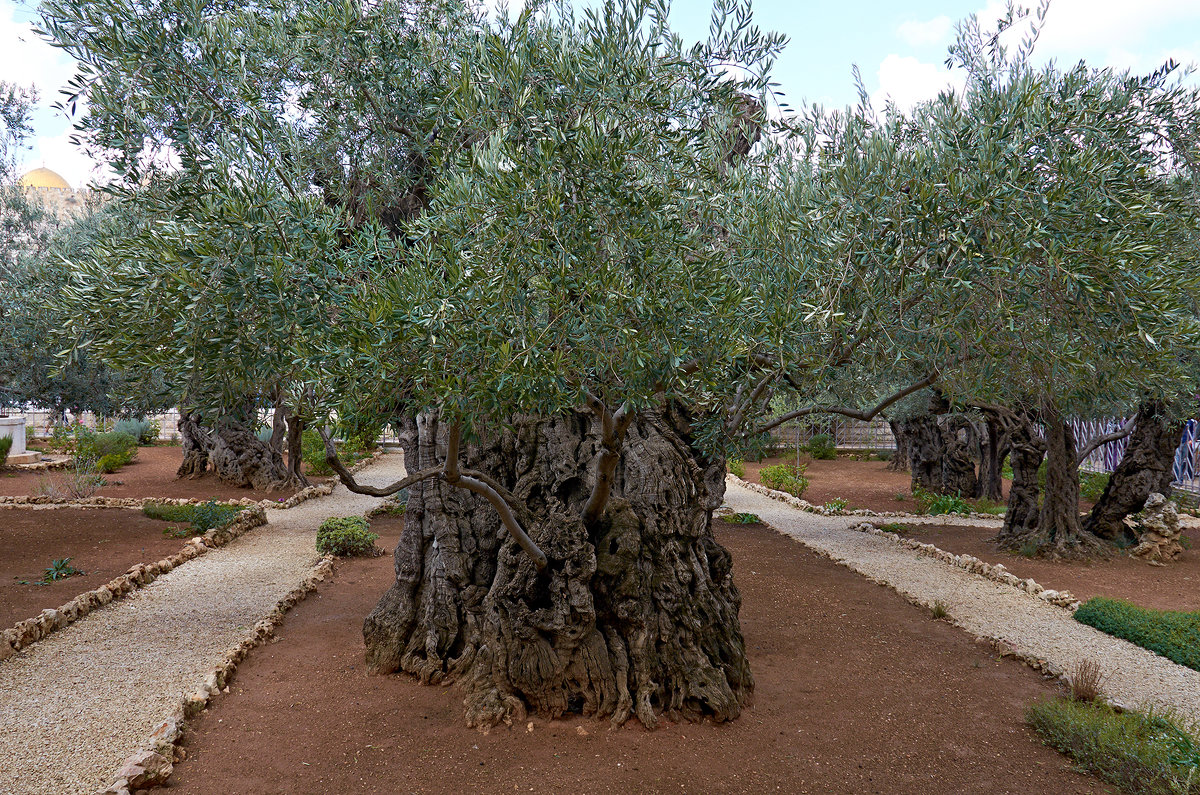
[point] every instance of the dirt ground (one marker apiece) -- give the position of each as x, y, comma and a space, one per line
864, 484
1175, 586
102, 542
151, 474
857, 691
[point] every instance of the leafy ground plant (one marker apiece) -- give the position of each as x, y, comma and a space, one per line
60, 569
821, 447
1135, 751
1173, 634
741, 518
836, 504
785, 477
204, 517
737, 467
346, 536
5, 446
78, 483
936, 504
892, 527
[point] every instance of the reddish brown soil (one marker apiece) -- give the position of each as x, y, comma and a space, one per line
863, 484
151, 474
102, 542
857, 691
1175, 586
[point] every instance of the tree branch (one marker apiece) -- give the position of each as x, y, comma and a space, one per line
612, 431
1104, 439
855, 414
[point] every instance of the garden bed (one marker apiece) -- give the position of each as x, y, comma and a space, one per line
1175, 586
101, 542
151, 474
857, 691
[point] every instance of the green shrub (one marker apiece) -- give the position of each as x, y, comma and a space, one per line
1135, 751
349, 535
821, 447
312, 452
984, 505
1174, 635
785, 477
884, 455
737, 467
892, 527
110, 451
145, 431
204, 517
60, 569
265, 432
836, 504
741, 518
5, 446
1092, 485
936, 504
112, 462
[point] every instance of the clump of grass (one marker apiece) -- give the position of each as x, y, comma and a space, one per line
1029, 549
1135, 751
1086, 681
935, 504
884, 455
741, 518
737, 467
984, 505
892, 527
939, 610
836, 504
1173, 634
204, 517
900, 496
60, 569
785, 477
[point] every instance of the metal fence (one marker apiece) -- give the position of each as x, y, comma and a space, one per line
1105, 458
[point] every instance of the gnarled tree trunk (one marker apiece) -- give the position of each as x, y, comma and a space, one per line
1026, 449
1145, 468
237, 456
940, 451
991, 464
636, 615
900, 459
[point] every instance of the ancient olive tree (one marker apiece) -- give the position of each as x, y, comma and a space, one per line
512, 238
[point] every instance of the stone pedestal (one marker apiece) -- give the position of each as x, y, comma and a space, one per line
14, 427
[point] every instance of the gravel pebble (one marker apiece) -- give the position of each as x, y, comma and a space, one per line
75, 705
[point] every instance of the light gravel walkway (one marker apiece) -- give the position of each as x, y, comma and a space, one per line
75, 705
985, 608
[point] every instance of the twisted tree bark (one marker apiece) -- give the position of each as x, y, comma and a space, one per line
1146, 467
636, 613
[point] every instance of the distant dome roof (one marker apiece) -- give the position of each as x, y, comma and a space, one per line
43, 178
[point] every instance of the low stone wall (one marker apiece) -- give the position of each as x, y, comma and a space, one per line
32, 630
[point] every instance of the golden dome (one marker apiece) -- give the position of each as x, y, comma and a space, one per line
43, 178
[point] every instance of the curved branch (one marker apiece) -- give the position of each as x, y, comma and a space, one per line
335, 463
612, 430
855, 414
1104, 439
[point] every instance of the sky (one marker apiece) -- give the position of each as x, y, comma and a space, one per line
898, 45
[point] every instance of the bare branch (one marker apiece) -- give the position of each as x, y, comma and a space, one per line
335, 463
451, 474
855, 414
612, 435
1104, 439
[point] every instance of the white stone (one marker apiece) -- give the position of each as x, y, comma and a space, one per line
14, 428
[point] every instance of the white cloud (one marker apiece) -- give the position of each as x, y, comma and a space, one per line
25, 59
920, 34
907, 81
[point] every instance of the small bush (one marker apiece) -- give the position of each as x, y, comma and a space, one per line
1135, 751
836, 504
884, 455
785, 477
204, 517
145, 431
939, 611
892, 527
312, 451
265, 432
936, 504
741, 518
346, 536
1174, 635
60, 569
110, 451
1092, 485
900, 496
984, 505
79, 483
821, 447
5, 446
736, 467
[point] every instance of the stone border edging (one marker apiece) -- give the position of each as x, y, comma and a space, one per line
796, 502
153, 764
31, 630
990, 571
305, 494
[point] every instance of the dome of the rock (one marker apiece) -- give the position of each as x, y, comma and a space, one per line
43, 178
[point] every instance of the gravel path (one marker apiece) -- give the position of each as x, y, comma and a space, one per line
75, 705
985, 608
